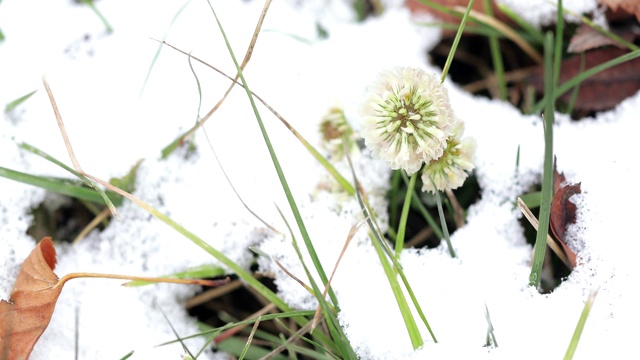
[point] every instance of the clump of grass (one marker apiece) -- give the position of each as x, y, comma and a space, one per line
334, 342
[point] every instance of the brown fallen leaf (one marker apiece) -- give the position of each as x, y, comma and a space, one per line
587, 38
602, 91
629, 6
563, 212
28, 312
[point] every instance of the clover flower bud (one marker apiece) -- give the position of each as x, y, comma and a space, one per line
450, 170
407, 118
335, 129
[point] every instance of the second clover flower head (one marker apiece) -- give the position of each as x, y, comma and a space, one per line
450, 170
407, 118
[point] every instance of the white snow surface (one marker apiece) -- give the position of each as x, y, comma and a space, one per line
97, 80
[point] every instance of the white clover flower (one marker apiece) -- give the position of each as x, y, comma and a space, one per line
450, 170
407, 118
334, 129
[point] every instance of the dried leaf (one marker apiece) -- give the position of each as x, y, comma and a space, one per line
563, 212
602, 91
27, 313
587, 38
417, 7
629, 6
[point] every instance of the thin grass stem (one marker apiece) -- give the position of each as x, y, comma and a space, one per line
276, 163
575, 339
456, 41
496, 56
402, 226
443, 222
557, 52
417, 202
547, 172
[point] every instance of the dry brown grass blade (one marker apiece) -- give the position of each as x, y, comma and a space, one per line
419, 238
215, 155
492, 81
245, 61
506, 31
534, 222
236, 82
65, 137
101, 216
253, 332
352, 232
212, 294
297, 279
458, 211
229, 333
301, 332
67, 143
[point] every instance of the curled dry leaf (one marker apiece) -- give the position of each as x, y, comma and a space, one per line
563, 212
27, 313
628, 6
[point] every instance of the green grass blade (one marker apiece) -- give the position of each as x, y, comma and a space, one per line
207, 330
196, 272
86, 180
407, 316
341, 340
496, 57
95, 10
127, 356
532, 32
491, 336
75, 189
157, 54
237, 269
557, 52
34, 150
443, 222
325, 354
380, 243
14, 104
193, 71
315, 153
188, 353
576, 90
276, 163
532, 199
248, 344
547, 172
394, 197
585, 20
575, 339
167, 150
235, 347
456, 40
402, 226
629, 45
481, 29
417, 203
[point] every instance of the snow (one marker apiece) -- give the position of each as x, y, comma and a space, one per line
97, 81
